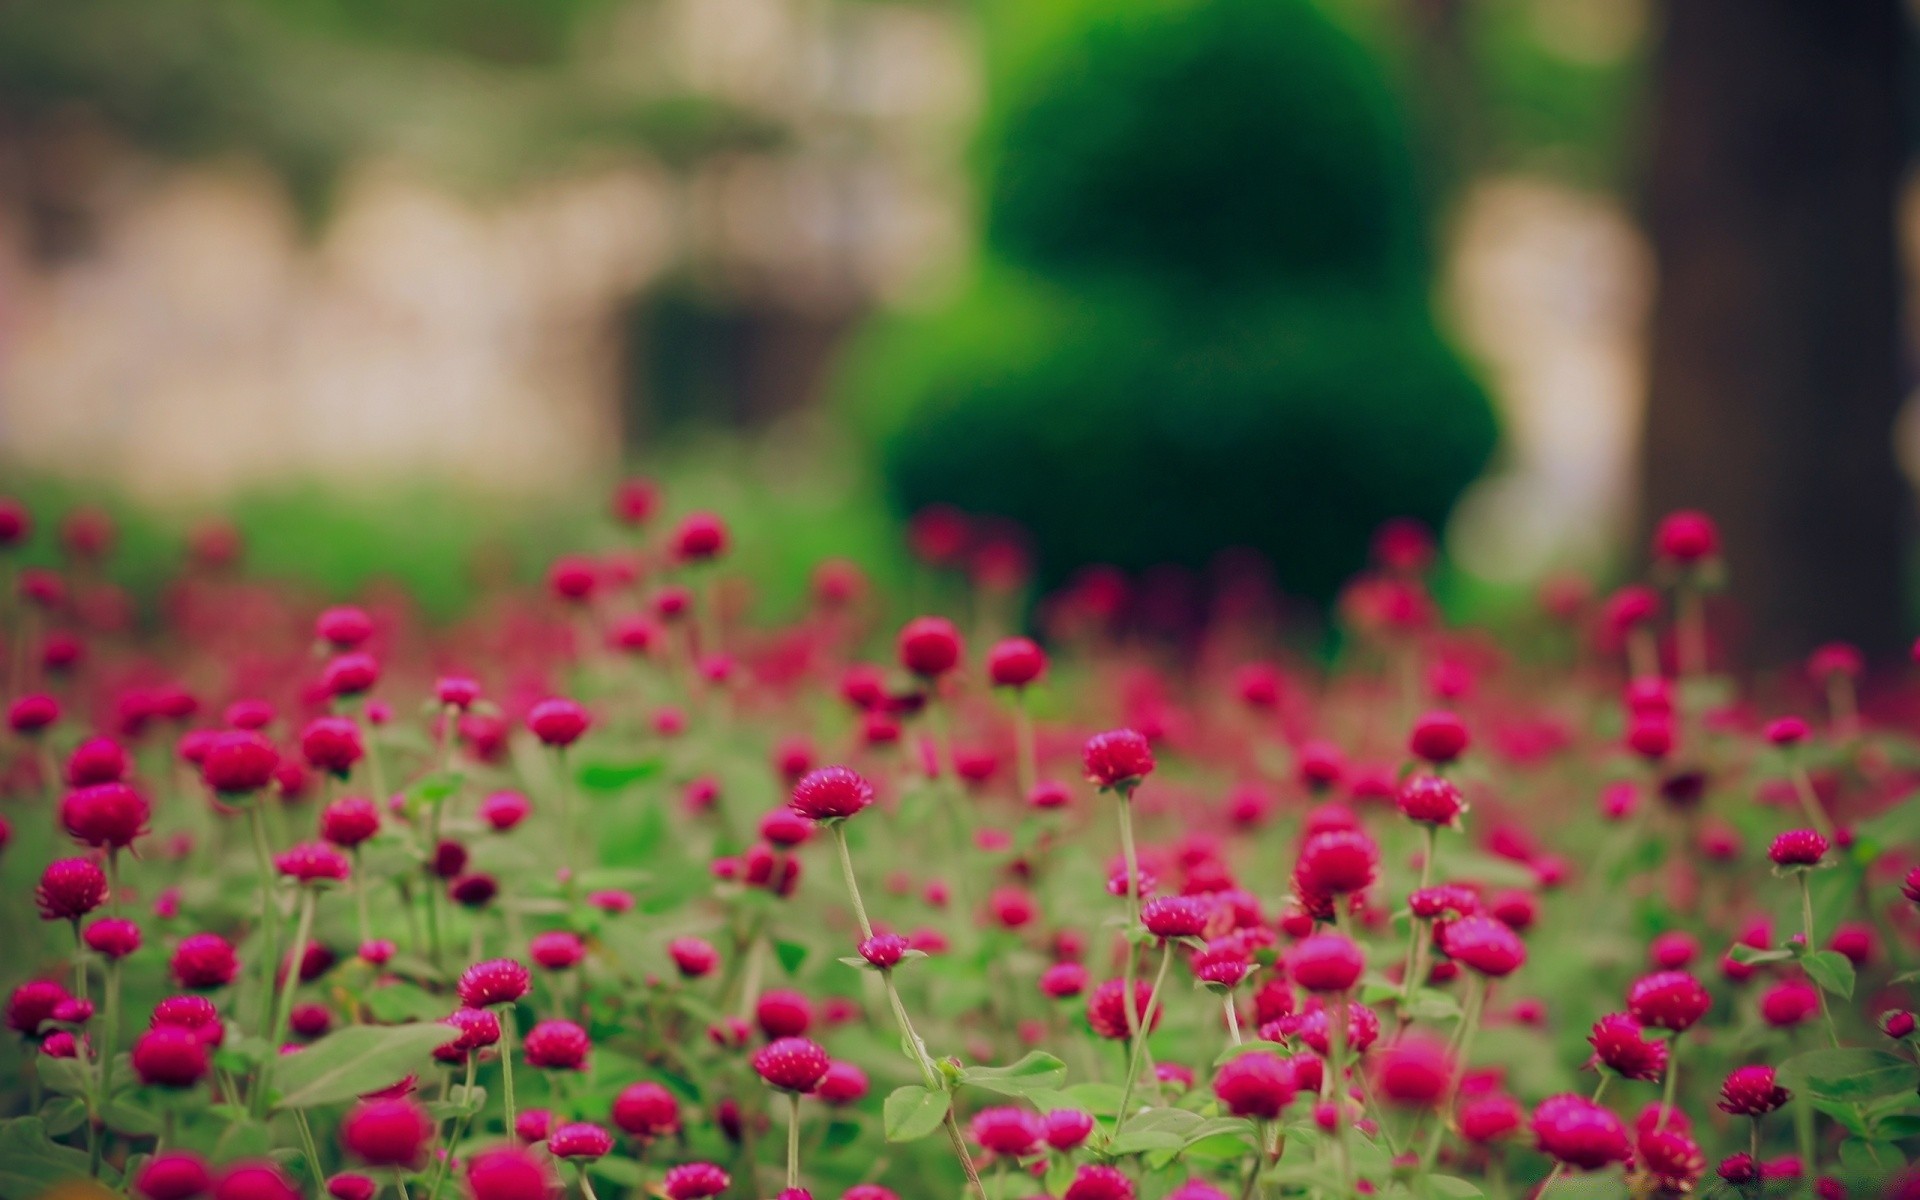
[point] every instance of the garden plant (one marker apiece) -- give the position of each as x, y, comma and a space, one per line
609, 889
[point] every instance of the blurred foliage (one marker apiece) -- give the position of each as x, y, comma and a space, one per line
482, 92
790, 501
1203, 320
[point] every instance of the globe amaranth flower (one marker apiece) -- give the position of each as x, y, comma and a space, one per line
782, 1013
331, 744
1752, 1092
1362, 1028
112, 937
792, 1064
557, 1046
313, 863
1668, 1000
1066, 1129
843, 1084
1686, 537
173, 1175
1063, 981
1788, 1003
349, 821
884, 950
239, 762
70, 888
556, 949
1483, 945
105, 814
1798, 848
1672, 1158
645, 1110
557, 722
196, 1013
1107, 1009
1326, 962
1095, 1182
386, 1133
476, 1029
693, 957
510, 1174
203, 961
1438, 738
1579, 1133
1337, 862
929, 647
700, 537
1005, 1130
1015, 662
1177, 916
1620, 1044
581, 1139
496, 981
831, 793
1118, 759
1414, 1072
1485, 1119
170, 1056
1257, 1084
1431, 800
504, 810
695, 1181
97, 760
32, 1004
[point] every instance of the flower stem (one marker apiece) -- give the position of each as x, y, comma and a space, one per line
506, 1065
1025, 757
269, 908
1806, 923
1139, 1039
793, 1139
1338, 1014
281, 1007
1672, 1083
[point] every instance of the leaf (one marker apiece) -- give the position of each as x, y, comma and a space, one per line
1832, 970
243, 1139
790, 955
405, 1002
1870, 1157
1848, 1075
124, 1116
1754, 955
1452, 1187
64, 1075
1899, 1126
613, 776
1225, 1146
623, 1171
434, 788
1136, 1141
1037, 1071
354, 1061
912, 1112
64, 1115
1430, 1004
31, 1163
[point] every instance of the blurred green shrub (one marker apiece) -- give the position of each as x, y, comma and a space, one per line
1203, 319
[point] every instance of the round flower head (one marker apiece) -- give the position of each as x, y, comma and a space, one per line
171, 1057
1336, 863
843, 1083
1094, 1182
884, 950
1438, 738
511, 1174
350, 675
476, 1029
96, 760
782, 1013
1257, 1084
1062, 981
113, 937
1786, 731
1006, 1131
792, 1064
1798, 848
331, 744
33, 714
1579, 1133
349, 821
1788, 1003
1176, 916
343, 628
203, 961
1668, 1000
70, 888
692, 957
496, 981
1483, 944
1066, 1129
645, 1110
558, 722
312, 863
254, 1181
105, 814
695, 1181
1118, 759
701, 537
1431, 800
556, 950
239, 762
1485, 1119
1015, 663
1621, 1045
351, 1185
1752, 1092
387, 1132
32, 1004
1672, 1158
1414, 1072
190, 1012
173, 1175
929, 647
1107, 1008
1326, 962
503, 810
1686, 537
557, 1046
579, 1140
572, 577
831, 792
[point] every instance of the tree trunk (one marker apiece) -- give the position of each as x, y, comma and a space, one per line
1776, 366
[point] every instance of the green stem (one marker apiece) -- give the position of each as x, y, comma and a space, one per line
1026, 757
793, 1139
1460, 1046
111, 1031
1139, 1039
853, 884
312, 1149
281, 1008
506, 1065
1128, 1004
1806, 924
269, 907
1338, 1013
457, 1132
1672, 1083
1810, 801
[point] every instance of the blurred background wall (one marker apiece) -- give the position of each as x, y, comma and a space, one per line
1153, 278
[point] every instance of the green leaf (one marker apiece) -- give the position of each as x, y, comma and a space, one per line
1832, 970
1452, 1187
1430, 1004
434, 788
1037, 1071
31, 1163
404, 1002
1899, 1126
912, 1112
1222, 1146
623, 1171
64, 1075
1137, 1141
64, 1115
243, 1139
790, 954
1871, 1157
613, 776
124, 1116
354, 1061
1848, 1075
1753, 955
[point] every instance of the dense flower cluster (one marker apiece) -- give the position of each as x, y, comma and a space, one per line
612, 887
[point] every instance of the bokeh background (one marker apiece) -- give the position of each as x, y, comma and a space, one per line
398, 287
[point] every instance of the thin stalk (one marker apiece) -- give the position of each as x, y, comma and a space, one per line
1128, 1003
1416, 943
269, 906
1337, 1017
1692, 632
111, 1031
1460, 1046
360, 883
1672, 1082
1810, 801
586, 1185
279, 1009
793, 1139
1233, 1019
506, 1065
1138, 1043
312, 1149
1026, 758
1806, 924
454, 1135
